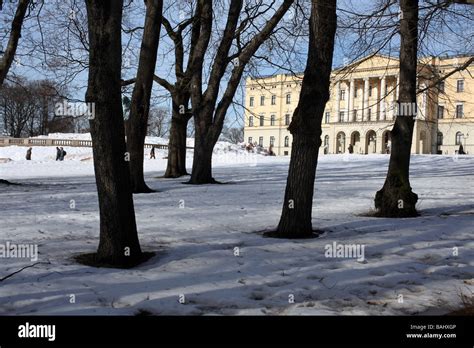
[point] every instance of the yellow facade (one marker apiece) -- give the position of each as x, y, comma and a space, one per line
361, 109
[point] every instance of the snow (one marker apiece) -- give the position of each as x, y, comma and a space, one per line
79, 160
68, 136
195, 243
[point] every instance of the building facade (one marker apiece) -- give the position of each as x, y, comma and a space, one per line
362, 108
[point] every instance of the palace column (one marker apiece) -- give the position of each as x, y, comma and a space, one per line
382, 100
350, 107
394, 98
377, 107
338, 97
365, 104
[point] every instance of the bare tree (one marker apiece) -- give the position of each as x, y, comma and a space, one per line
119, 245
209, 113
159, 122
396, 198
18, 109
295, 221
442, 27
140, 104
233, 134
27, 107
180, 90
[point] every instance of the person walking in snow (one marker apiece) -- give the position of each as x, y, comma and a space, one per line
63, 153
152, 152
58, 153
28, 154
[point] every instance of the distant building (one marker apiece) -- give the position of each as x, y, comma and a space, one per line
361, 109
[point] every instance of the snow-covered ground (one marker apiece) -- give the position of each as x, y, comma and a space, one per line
419, 265
79, 161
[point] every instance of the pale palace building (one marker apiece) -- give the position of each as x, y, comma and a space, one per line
361, 108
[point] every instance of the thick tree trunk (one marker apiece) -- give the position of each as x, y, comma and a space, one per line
396, 198
305, 127
202, 159
295, 221
140, 104
176, 166
119, 244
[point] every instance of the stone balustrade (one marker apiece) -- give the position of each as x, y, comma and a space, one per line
59, 142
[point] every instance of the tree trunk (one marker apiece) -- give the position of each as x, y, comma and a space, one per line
396, 198
119, 244
295, 221
202, 159
140, 104
15, 34
135, 146
176, 166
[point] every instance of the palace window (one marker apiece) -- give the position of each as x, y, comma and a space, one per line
287, 141
341, 116
288, 99
369, 114
459, 111
355, 92
460, 86
458, 138
370, 91
343, 94
251, 101
274, 98
262, 121
272, 141
287, 119
260, 141
272, 120
250, 121
262, 100
250, 140
327, 117
440, 111
439, 138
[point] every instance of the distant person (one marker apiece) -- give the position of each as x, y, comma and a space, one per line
270, 151
58, 153
63, 153
350, 148
28, 154
461, 150
152, 152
